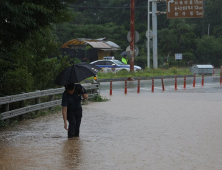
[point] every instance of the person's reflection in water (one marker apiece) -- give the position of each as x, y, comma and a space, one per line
71, 153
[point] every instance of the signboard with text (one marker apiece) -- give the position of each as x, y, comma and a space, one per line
184, 9
178, 56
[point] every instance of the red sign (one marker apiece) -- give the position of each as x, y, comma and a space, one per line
184, 8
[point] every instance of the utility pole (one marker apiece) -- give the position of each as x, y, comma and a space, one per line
154, 32
154, 29
132, 34
148, 36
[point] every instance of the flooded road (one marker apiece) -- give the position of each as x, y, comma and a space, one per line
171, 130
210, 83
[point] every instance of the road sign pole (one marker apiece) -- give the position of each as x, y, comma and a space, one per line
132, 18
154, 28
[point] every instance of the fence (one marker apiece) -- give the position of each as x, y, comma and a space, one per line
92, 89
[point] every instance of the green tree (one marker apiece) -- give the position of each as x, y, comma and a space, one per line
167, 41
184, 33
178, 38
110, 30
189, 58
32, 66
26, 43
20, 18
209, 50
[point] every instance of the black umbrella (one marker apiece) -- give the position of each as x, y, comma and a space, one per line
123, 53
76, 73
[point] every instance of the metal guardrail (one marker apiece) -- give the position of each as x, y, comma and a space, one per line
40, 93
27, 109
92, 90
31, 95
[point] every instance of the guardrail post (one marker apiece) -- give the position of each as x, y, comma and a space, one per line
220, 76
111, 87
37, 101
184, 83
202, 79
213, 70
98, 90
175, 82
194, 79
50, 99
138, 89
6, 108
21, 104
125, 86
162, 84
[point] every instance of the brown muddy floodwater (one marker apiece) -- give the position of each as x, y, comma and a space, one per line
146, 131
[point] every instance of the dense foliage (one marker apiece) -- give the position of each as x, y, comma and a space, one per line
32, 31
27, 42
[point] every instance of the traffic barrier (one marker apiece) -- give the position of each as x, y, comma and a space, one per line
220, 76
202, 79
213, 70
163, 87
138, 89
162, 84
125, 86
194, 79
111, 88
184, 83
175, 82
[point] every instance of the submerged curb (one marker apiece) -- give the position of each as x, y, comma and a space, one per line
142, 78
136, 78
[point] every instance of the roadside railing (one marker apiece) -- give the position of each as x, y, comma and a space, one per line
92, 89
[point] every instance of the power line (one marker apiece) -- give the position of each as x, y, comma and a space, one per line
78, 6
124, 7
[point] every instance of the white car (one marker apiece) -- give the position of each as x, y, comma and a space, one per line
109, 64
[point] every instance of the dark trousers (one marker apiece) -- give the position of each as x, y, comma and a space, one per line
74, 117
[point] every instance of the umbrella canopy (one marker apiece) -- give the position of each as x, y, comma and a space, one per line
123, 53
76, 73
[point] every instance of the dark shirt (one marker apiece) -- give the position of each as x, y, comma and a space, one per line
73, 101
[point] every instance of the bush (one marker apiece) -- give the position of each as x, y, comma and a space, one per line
16, 81
142, 61
99, 98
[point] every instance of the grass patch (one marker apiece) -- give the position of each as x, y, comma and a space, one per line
99, 98
148, 72
145, 73
44, 112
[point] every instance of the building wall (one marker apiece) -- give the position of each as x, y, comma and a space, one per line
89, 55
102, 54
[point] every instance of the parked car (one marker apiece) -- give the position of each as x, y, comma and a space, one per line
109, 64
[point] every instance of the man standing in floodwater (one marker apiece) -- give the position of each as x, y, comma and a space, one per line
72, 108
